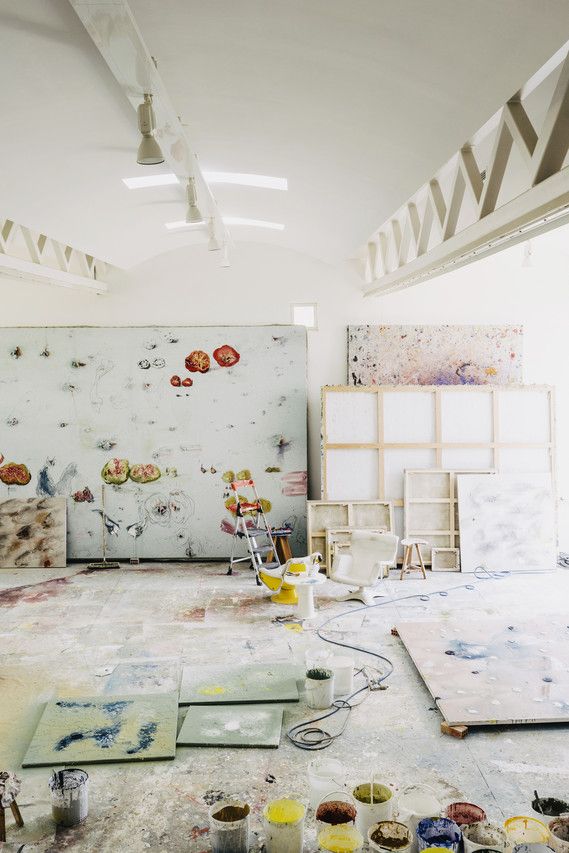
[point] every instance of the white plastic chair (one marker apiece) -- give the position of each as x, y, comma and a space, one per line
369, 555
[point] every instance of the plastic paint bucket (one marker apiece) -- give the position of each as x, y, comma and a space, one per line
319, 691
390, 836
343, 668
324, 775
438, 832
283, 821
549, 807
374, 809
559, 834
526, 830
69, 796
229, 827
340, 839
465, 813
484, 835
336, 809
415, 803
531, 848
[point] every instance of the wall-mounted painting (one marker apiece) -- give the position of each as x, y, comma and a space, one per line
434, 355
161, 419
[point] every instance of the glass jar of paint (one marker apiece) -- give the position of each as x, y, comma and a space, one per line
229, 827
283, 822
340, 839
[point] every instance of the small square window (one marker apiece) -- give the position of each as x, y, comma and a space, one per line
304, 314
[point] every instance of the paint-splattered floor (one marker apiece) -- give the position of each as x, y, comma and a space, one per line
75, 632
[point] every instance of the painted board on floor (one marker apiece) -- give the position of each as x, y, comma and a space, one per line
157, 416
32, 533
434, 355
235, 725
224, 685
506, 522
93, 729
494, 671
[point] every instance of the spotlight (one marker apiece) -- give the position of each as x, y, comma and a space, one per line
193, 214
149, 152
212, 243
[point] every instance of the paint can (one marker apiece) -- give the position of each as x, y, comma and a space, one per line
390, 836
69, 796
343, 668
484, 835
319, 686
283, 821
372, 809
559, 834
340, 839
229, 826
438, 832
549, 807
465, 813
526, 830
531, 848
324, 775
336, 808
414, 803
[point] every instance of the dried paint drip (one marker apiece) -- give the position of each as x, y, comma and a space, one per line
69, 796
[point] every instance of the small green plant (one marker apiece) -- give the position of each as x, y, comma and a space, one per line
319, 674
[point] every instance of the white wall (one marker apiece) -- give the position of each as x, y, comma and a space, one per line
187, 287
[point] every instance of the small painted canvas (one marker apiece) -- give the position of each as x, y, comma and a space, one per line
232, 725
224, 685
32, 533
434, 355
507, 522
92, 729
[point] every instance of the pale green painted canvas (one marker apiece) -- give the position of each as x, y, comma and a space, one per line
225, 685
232, 725
91, 729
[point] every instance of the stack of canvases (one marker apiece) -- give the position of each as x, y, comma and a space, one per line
437, 439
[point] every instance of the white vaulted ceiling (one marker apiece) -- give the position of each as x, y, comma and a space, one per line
355, 102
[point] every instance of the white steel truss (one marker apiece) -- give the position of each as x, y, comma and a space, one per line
28, 254
508, 182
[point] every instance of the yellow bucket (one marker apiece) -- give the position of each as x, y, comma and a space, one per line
284, 811
526, 830
340, 839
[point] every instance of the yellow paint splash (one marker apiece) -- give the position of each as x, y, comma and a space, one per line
293, 626
490, 371
212, 690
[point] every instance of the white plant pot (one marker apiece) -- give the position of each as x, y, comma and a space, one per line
319, 692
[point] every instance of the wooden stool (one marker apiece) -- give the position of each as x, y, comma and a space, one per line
408, 564
17, 817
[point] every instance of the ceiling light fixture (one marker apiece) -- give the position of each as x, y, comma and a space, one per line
212, 243
228, 220
149, 152
193, 215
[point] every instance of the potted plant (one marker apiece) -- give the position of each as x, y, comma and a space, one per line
319, 688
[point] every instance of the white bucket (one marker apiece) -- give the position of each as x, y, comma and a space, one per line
283, 822
324, 775
559, 834
370, 812
343, 668
414, 803
391, 836
337, 808
526, 830
483, 835
319, 691
229, 827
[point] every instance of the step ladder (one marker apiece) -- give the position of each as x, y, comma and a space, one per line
258, 537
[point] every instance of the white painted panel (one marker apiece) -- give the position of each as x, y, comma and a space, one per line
466, 416
396, 461
467, 457
524, 416
525, 459
409, 417
351, 417
351, 475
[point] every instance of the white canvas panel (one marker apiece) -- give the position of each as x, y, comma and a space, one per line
506, 522
524, 416
351, 417
466, 417
409, 417
352, 475
74, 398
396, 461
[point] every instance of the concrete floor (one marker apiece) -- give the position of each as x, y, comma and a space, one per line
67, 631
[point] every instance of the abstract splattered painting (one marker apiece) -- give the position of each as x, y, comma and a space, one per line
32, 533
232, 725
506, 522
82, 730
434, 355
491, 671
158, 418
224, 685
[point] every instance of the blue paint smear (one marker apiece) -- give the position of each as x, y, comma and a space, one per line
467, 651
45, 485
71, 703
113, 709
104, 737
145, 738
